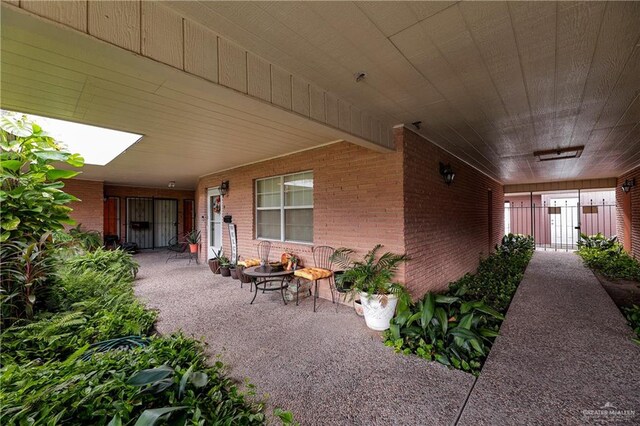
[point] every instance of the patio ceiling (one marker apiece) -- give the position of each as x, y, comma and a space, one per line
191, 127
491, 82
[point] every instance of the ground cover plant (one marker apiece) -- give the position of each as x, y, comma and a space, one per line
458, 328
77, 346
633, 318
607, 256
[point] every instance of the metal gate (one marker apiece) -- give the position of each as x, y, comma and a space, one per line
151, 222
557, 224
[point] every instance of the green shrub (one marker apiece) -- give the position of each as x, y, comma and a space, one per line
458, 329
49, 377
596, 241
611, 260
116, 263
95, 391
633, 318
445, 329
33, 205
94, 306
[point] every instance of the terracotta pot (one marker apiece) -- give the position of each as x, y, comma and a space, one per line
193, 248
234, 273
214, 265
243, 278
224, 271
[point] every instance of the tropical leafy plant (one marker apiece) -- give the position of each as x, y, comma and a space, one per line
31, 194
27, 269
33, 205
608, 257
445, 329
633, 318
372, 274
598, 241
458, 328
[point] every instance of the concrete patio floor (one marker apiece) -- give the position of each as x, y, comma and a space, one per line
564, 352
328, 368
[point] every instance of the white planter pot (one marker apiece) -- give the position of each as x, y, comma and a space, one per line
377, 316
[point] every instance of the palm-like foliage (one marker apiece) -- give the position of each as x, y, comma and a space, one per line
372, 274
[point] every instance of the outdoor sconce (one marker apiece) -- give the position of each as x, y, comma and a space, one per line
628, 184
447, 173
224, 187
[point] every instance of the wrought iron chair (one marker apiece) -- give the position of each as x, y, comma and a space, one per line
264, 247
323, 264
177, 246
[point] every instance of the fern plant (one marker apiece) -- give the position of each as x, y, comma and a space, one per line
372, 274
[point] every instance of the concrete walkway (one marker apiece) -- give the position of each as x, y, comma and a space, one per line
564, 352
328, 368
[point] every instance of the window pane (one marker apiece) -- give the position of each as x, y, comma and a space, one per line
269, 192
298, 189
268, 224
299, 225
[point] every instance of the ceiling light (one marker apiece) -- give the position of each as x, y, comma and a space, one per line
359, 76
559, 154
97, 145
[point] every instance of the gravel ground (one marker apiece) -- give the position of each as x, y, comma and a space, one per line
564, 351
327, 368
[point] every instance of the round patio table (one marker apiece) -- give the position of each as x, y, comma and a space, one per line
263, 275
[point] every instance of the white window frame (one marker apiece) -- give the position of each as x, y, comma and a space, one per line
282, 208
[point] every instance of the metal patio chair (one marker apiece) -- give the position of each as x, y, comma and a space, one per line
323, 269
177, 246
264, 247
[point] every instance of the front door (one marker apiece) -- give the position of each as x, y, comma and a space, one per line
214, 203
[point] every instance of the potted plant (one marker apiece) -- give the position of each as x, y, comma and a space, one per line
193, 238
214, 263
372, 280
224, 266
233, 271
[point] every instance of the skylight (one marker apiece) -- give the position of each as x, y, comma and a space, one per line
97, 145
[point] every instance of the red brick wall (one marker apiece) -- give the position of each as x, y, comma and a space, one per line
357, 200
360, 200
133, 191
446, 227
629, 204
89, 211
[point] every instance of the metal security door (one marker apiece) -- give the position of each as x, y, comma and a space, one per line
140, 222
563, 220
165, 221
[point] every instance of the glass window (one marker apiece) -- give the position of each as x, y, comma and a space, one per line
284, 207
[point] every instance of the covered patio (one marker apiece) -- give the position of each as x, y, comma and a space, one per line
326, 367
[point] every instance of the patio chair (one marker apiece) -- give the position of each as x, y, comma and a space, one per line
178, 245
322, 270
264, 247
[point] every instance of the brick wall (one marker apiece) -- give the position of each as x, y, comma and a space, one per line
89, 211
362, 198
629, 205
133, 191
447, 228
357, 200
